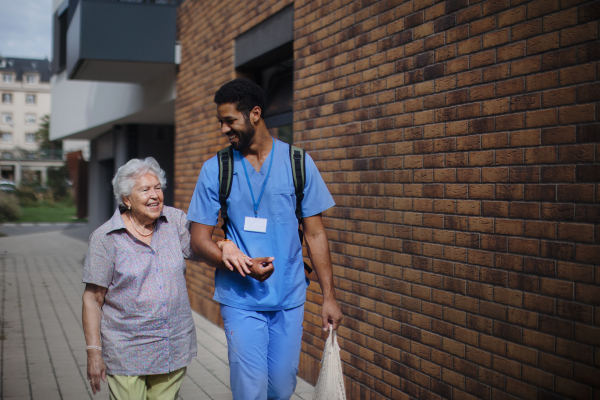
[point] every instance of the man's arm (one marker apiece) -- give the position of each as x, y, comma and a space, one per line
230, 258
318, 251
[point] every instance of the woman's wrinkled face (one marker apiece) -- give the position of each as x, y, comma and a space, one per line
146, 199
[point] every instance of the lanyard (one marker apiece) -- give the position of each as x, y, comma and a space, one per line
262, 191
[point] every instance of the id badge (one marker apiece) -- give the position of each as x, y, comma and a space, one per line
254, 224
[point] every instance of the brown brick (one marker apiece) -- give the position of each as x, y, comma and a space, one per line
546, 117
526, 29
509, 87
579, 33
539, 229
509, 227
524, 174
538, 377
510, 51
576, 232
558, 97
512, 16
558, 59
576, 114
542, 81
576, 154
541, 7
495, 38
558, 135
540, 192
543, 43
540, 155
588, 92
577, 74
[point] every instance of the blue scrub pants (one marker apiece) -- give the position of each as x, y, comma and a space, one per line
264, 351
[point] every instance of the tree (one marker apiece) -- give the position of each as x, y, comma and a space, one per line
43, 136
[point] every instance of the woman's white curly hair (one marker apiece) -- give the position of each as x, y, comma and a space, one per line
126, 175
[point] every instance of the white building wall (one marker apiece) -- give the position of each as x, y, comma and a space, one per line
19, 109
83, 109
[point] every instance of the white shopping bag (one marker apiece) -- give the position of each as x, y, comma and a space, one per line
330, 385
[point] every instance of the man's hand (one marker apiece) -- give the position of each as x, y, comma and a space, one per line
234, 259
262, 268
96, 369
331, 314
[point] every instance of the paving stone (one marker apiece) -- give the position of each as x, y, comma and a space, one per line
43, 355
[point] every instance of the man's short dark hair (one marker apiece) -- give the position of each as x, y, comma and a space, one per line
243, 93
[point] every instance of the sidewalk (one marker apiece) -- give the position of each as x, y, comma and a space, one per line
42, 352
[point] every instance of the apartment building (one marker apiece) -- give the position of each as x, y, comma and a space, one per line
25, 100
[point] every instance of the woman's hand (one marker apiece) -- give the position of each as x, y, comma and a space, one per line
96, 370
233, 258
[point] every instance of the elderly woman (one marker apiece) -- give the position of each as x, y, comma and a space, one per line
137, 318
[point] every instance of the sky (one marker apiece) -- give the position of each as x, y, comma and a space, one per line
26, 28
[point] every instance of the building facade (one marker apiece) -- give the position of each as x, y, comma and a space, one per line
25, 91
461, 142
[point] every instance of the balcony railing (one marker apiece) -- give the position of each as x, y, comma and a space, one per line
24, 155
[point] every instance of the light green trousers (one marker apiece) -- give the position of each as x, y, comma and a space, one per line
146, 387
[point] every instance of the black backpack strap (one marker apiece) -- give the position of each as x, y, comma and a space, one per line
225, 159
297, 156
299, 174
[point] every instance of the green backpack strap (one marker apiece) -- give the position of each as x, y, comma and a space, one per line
225, 159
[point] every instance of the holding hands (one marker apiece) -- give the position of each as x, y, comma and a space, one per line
260, 268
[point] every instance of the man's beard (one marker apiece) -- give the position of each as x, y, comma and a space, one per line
245, 136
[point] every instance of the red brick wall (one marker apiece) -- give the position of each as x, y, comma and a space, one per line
462, 145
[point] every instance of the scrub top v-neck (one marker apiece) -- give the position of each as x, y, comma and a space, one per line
286, 288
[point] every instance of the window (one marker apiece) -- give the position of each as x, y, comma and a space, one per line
30, 99
30, 119
31, 79
30, 138
5, 137
7, 78
7, 118
7, 98
271, 65
7, 155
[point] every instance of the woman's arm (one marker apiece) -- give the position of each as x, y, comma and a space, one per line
93, 300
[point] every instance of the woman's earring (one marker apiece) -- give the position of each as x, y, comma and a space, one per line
129, 207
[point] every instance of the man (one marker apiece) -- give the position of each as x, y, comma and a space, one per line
262, 297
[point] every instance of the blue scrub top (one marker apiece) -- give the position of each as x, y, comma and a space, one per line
286, 288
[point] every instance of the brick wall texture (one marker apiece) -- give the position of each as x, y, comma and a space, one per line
461, 142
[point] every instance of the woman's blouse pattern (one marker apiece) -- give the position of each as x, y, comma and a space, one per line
147, 326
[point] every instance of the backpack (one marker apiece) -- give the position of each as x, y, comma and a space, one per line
225, 160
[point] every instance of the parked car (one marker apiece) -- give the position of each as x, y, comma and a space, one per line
7, 186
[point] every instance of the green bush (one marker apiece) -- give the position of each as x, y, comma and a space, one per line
9, 207
26, 196
58, 181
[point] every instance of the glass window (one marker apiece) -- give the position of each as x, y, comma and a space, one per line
30, 138
8, 78
7, 118
7, 155
31, 79
30, 119
30, 99
7, 98
5, 137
